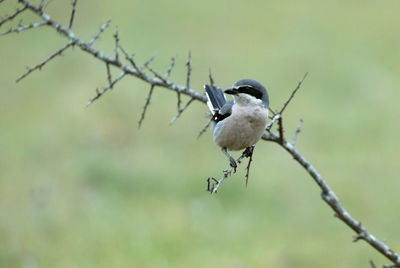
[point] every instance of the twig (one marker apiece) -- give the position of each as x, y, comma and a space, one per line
248, 170
270, 123
179, 101
277, 115
159, 76
71, 20
44, 5
280, 129
180, 111
293, 93
129, 58
168, 73
189, 70
249, 154
40, 65
116, 44
101, 30
249, 164
298, 129
372, 264
210, 77
147, 62
100, 93
204, 128
24, 27
109, 78
148, 98
41, 5
15, 14
271, 111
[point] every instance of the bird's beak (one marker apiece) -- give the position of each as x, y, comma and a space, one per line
232, 91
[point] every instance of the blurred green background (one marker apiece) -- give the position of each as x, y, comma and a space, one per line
86, 188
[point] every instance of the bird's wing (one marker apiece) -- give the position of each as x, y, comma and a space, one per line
224, 112
217, 103
215, 98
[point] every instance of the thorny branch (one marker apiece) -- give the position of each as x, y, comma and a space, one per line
162, 81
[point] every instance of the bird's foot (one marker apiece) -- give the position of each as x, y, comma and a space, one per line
233, 163
249, 151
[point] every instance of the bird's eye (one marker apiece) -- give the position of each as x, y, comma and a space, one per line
251, 91
244, 89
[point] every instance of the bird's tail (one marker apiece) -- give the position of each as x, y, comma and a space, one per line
215, 98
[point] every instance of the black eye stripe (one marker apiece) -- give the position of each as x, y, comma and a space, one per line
251, 91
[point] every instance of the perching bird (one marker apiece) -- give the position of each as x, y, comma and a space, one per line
238, 124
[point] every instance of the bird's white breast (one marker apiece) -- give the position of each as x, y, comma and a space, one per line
243, 128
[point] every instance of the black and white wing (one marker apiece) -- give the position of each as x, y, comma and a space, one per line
217, 103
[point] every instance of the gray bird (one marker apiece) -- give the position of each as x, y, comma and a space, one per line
239, 123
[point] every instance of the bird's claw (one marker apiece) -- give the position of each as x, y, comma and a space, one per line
233, 164
249, 151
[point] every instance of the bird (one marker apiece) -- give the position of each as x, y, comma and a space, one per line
239, 123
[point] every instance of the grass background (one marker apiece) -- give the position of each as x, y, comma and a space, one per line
85, 188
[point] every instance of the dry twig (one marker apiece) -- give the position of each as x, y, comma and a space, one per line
71, 20
12, 16
210, 77
116, 37
23, 28
171, 66
101, 30
100, 93
49, 58
204, 128
296, 133
147, 103
293, 93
